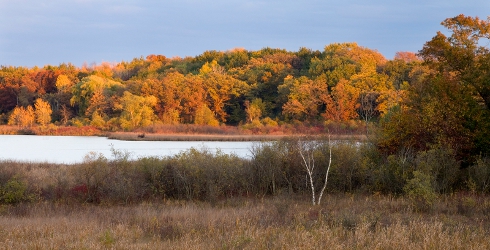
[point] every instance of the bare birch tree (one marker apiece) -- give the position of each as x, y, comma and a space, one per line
307, 150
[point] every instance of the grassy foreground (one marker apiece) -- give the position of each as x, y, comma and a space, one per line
342, 222
199, 199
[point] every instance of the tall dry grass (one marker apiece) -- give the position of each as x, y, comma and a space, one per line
343, 222
133, 136
140, 136
51, 129
8, 130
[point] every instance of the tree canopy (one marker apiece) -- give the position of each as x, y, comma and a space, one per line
448, 100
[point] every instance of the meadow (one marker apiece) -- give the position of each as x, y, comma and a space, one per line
344, 221
203, 200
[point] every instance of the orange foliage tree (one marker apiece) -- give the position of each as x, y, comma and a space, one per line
342, 102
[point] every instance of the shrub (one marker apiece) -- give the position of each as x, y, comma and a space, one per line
391, 175
125, 181
441, 165
479, 175
420, 192
97, 121
13, 192
276, 167
92, 174
348, 173
157, 176
267, 121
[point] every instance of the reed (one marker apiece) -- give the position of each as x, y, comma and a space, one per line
8, 130
135, 136
51, 130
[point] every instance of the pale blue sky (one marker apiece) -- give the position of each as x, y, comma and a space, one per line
38, 32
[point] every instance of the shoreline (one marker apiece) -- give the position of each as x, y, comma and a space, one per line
134, 136
172, 135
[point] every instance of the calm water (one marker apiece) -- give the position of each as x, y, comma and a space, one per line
72, 149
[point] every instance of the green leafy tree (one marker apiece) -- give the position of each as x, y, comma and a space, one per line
92, 93
136, 110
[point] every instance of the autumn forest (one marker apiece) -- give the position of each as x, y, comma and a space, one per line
439, 96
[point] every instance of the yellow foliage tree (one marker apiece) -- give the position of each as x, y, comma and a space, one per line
43, 112
304, 97
254, 109
63, 83
204, 116
23, 117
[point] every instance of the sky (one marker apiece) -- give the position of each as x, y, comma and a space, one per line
42, 32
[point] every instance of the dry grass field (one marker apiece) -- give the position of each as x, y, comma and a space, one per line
342, 222
201, 200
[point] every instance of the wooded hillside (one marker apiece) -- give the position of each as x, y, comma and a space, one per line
439, 96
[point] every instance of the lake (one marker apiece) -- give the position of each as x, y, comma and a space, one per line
72, 149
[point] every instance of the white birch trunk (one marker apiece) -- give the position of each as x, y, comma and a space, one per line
307, 154
328, 169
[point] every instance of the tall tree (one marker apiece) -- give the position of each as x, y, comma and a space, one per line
194, 97
449, 102
342, 102
43, 112
254, 109
23, 117
305, 97
169, 96
84, 91
136, 110
462, 53
220, 88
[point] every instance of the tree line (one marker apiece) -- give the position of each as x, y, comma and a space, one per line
438, 97
233, 87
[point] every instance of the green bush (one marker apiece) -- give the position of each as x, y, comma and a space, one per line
441, 165
13, 192
391, 176
347, 173
420, 192
157, 174
479, 176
